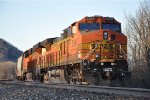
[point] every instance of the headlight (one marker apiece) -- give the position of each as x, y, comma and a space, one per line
97, 56
95, 69
113, 64
102, 64
105, 35
107, 69
120, 56
96, 46
84, 63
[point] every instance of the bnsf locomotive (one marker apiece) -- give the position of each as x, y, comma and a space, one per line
92, 50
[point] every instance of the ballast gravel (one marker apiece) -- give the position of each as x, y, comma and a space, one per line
24, 92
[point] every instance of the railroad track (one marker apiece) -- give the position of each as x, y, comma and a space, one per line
138, 92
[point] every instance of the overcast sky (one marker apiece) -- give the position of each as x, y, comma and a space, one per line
24, 23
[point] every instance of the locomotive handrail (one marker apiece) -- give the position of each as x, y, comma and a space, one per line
122, 51
89, 53
82, 61
125, 56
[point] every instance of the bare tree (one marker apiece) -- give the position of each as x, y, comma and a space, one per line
138, 32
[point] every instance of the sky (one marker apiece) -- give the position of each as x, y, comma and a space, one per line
24, 23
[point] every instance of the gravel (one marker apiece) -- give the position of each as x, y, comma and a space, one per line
23, 92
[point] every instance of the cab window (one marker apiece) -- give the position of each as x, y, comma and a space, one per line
89, 26
112, 26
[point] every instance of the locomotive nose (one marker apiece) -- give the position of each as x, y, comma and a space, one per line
107, 51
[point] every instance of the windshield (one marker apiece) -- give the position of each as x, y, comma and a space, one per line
89, 26
113, 27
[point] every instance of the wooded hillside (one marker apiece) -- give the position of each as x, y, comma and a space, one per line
8, 52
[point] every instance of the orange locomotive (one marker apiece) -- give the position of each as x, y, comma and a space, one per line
90, 51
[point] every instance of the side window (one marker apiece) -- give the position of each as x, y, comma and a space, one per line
74, 29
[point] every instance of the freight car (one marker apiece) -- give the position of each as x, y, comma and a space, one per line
92, 50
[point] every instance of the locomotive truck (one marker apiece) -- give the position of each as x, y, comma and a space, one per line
92, 50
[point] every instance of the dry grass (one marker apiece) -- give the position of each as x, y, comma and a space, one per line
7, 70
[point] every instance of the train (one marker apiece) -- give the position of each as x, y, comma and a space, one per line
92, 51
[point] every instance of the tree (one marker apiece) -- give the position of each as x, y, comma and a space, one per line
138, 32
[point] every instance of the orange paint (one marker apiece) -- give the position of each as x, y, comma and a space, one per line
70, 50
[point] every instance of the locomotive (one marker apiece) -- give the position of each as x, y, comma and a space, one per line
92, 50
